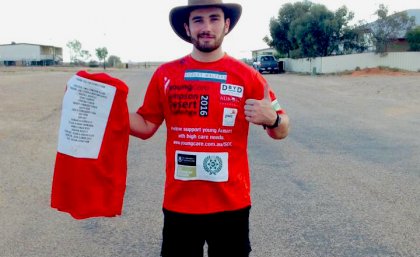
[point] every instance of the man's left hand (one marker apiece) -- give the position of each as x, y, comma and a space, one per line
260, 112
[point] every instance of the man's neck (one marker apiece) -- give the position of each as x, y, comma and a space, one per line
207, 57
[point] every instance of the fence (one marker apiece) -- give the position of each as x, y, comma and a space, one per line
409, 61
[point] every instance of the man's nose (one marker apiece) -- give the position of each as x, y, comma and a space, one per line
206, 25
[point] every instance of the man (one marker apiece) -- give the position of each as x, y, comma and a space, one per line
207, 100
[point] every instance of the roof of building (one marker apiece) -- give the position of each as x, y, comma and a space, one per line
410, 13
416, 14
13, 43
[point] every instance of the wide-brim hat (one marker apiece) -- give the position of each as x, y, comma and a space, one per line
179, 15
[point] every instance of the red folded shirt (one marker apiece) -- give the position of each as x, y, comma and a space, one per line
91, 163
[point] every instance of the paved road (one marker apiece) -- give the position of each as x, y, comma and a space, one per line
344, 183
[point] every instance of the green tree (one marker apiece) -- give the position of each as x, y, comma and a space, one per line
413, 38
354, 39
85, 55
75, 47
102, 53
389, 27
314, 32
114, 61
77, 54
305, 29
281, 38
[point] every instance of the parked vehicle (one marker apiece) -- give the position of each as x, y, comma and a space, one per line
266, 63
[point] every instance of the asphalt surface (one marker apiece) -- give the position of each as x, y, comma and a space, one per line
344, 183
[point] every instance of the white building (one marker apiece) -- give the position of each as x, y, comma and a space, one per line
23, 54
265, 51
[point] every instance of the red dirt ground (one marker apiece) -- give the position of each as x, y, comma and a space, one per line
382, 72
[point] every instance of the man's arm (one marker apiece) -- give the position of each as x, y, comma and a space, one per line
141, 128
282, 130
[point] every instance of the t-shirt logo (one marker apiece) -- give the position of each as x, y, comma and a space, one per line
232, 90
212, 164
205, 75
229, 116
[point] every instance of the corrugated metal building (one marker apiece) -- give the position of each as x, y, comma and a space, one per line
23, 54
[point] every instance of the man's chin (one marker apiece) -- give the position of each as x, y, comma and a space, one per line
203, 46
207, 48
206, 45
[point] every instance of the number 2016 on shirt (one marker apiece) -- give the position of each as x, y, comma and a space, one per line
204, 105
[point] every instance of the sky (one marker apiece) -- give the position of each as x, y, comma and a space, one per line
137, 30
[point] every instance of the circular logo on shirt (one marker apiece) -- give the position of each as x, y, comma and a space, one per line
213, 164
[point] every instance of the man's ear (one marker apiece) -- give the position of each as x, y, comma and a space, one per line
187, 29
227, 25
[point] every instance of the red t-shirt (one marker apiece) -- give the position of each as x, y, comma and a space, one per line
206, 150
87, 186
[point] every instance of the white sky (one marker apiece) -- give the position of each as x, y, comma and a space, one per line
137, 30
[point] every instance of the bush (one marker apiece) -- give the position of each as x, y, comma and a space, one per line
93, 64
114, 61
413, 39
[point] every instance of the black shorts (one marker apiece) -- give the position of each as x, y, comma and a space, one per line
226, 234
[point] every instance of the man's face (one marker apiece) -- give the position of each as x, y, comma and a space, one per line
207, 28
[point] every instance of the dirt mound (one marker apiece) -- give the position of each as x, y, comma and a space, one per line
381, 72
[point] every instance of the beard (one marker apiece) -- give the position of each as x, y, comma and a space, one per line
207, 47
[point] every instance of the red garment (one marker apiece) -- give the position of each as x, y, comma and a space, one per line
207, 134
93, 187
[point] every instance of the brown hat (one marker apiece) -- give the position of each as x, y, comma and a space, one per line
179, 15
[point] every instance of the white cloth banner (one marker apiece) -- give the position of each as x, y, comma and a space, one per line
84, 116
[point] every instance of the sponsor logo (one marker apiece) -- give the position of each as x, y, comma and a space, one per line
212, 164
229, 117
227, 100
186, 167
205, 75
232, 90
187, 159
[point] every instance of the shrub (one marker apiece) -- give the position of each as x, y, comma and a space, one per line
413, 39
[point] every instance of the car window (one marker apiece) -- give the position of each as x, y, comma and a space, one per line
266, 58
